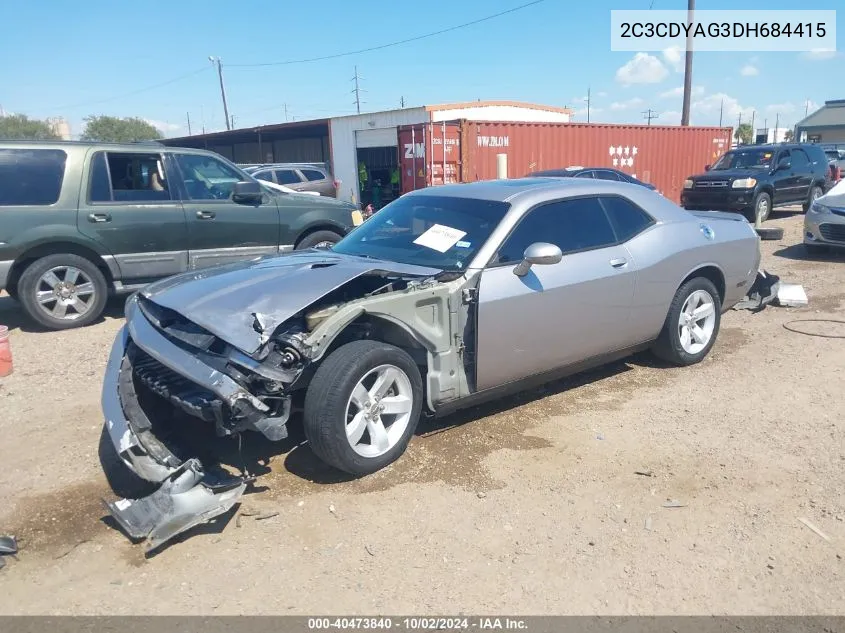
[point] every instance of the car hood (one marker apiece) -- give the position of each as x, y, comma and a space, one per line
730, 174
225, 300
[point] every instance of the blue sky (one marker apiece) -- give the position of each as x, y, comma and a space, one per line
76, 59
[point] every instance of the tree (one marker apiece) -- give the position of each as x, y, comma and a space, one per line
19, 127
744, 134
788, 136
112, 129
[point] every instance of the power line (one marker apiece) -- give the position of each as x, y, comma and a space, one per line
135, 92
391, 44
650, 114
357, 90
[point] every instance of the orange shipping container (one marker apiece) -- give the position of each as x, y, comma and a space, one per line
466, 151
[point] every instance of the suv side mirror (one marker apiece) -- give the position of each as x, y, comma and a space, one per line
247, 192
707, 167
784, 164
540, 253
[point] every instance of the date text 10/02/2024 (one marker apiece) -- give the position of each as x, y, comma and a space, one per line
417, 623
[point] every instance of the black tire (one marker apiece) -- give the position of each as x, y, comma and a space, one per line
29, 283
319, 237
668, 345
816, 249
815, 192
123, 482
770, 233
324, 415
761, 201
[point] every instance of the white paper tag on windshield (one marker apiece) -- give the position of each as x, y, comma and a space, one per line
440, 238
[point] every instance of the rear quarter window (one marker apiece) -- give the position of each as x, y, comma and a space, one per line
31, 176
312, 174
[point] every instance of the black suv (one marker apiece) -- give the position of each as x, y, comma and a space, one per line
755, 178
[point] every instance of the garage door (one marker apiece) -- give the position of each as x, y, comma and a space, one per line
382, 137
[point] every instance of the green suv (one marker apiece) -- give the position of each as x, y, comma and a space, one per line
79, 221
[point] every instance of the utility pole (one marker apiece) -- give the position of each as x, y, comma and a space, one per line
357, 90
650, 114
401, 102
588, 104
688, 68
753, 131
777, 121
233, 120
721, 110
286, 112
219, 62
738, 125
189, 123
806, 108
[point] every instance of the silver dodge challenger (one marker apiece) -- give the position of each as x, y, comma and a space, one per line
447, 296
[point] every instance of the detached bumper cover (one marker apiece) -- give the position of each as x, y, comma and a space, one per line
188, 495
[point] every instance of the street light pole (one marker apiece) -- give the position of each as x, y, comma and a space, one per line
218, 62
688, 68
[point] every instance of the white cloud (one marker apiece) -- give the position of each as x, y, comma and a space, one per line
163, 126
642, 69
670, 117
675, 56
697, 91
616, 106
580, 114
749, 71
819, 54
601, 94
706, 110
782, 108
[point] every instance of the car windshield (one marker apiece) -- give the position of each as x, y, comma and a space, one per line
426, 230
744, 159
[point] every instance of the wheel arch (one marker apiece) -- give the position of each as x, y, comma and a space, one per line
53, 248
710, 272
321, 225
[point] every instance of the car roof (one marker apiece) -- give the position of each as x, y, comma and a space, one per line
154, 146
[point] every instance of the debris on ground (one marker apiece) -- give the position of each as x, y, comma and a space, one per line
369, 551
331, 509
481, 495
70, 549
791, 296
814, 528
672, 503
761, 293
268, 515
8, 547
647, 524
644, 473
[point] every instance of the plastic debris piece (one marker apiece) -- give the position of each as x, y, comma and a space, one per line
814, 528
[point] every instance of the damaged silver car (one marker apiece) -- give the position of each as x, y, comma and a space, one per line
447, 296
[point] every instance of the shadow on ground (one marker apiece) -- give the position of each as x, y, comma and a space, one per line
13, 316
798, 252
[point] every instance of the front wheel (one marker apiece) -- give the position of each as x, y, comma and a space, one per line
761, 207
691, 325
362, 406
319, 239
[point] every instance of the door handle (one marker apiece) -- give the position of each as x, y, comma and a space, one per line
205, 215
99, 217
621, 262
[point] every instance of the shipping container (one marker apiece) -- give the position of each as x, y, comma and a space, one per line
465, 151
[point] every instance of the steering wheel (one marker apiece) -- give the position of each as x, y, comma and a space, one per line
218, 193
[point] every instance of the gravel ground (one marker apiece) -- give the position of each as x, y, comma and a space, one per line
531, 505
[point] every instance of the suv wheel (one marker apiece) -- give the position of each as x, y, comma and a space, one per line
815, 192
319, 239
761, 207
692, 323
362, 406
63, 291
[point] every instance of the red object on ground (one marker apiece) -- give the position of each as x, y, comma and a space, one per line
5, 352
465, 151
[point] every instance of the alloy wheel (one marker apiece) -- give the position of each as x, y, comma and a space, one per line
65, 292
379, 411
697, 321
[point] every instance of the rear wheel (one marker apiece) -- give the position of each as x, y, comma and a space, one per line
362, 406
815, 193
319, 239
63, 291
692, 324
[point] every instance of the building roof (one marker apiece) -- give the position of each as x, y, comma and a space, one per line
832, 113
488, 104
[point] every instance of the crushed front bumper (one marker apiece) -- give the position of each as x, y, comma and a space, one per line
188, 494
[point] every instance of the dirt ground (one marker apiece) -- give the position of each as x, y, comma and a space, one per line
528, 506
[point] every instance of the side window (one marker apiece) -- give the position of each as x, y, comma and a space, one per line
584, 174
784, 155
626, 218
128, 177
264, 175
31, 176
800, 160
312, 174
573, 225
287, 177
206, 177
604, 174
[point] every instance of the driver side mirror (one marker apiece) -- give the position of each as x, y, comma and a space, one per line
784, 164
540, 253
707, 167
247, 192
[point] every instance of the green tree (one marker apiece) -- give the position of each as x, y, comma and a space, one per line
744, 134
19, 127
788, 136
112, 129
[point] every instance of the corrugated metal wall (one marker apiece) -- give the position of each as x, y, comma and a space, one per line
661, 155
296, 150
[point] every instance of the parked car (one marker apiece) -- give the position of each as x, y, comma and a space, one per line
837, 163
599, 173
81, 220
755, 179
824, 224
447, 296
299, 177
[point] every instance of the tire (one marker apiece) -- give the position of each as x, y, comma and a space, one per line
669, 345
123, 482
770, 233
33, 281
815, 192
762, 202
319, 238
329, 407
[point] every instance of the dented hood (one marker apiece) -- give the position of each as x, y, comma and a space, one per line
224, 299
